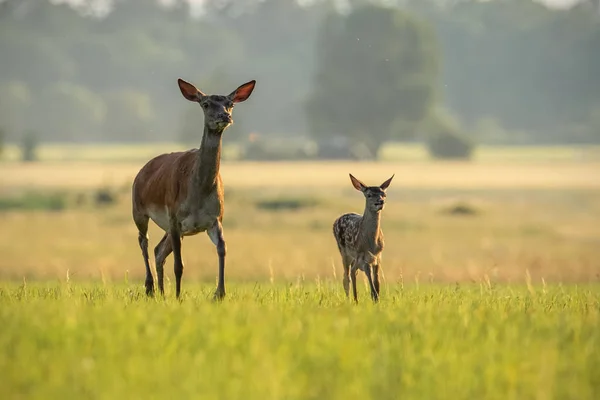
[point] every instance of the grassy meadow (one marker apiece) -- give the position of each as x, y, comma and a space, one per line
299, 342
490, 287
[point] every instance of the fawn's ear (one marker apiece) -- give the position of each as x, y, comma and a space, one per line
358, 185
189, 91
385, 184
243, 92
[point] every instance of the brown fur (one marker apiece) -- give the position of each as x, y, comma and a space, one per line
182, 192
360, 238
158, 181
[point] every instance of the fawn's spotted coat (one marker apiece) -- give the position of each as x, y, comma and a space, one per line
360, 238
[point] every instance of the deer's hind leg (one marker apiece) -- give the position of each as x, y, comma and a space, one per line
353, 271
161, 252
175, 236
141, 221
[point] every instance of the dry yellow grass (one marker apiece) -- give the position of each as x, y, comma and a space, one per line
442, 175
503, 242
111, 152
536, 218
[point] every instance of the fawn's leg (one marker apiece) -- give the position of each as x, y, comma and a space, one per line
376, 278
346, 280
141, 222
216, 236
161, 252
374, 293
353, 271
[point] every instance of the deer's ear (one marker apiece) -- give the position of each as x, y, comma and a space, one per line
243, 92
385, 184
189, 91
358, 185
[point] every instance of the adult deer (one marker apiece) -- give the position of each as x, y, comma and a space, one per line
182, 192
360, 238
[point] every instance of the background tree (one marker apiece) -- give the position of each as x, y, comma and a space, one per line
2, 140
67, 112
444, 136
277, 48
531, 68
376, 66
15, 103
514, 64
129, 116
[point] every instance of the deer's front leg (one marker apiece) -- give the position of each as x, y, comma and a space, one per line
161, 252
216, 236
376, 278
178, 262
374, 291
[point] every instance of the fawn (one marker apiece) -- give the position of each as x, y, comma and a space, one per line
360, 239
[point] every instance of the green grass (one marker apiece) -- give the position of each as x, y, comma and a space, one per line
34, 201
67, 341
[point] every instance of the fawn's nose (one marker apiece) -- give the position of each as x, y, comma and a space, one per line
224, 120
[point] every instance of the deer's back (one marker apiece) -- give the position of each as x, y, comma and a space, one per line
162, 181
345, 230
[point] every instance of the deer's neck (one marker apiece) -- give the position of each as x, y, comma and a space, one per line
206, 171
370, 227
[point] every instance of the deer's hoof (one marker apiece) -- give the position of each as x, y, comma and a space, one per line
149, 289
219, 295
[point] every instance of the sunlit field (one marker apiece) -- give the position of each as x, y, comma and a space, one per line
302, 341
490, 287
389, 152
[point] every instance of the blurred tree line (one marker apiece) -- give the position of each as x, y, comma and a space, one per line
504, 71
